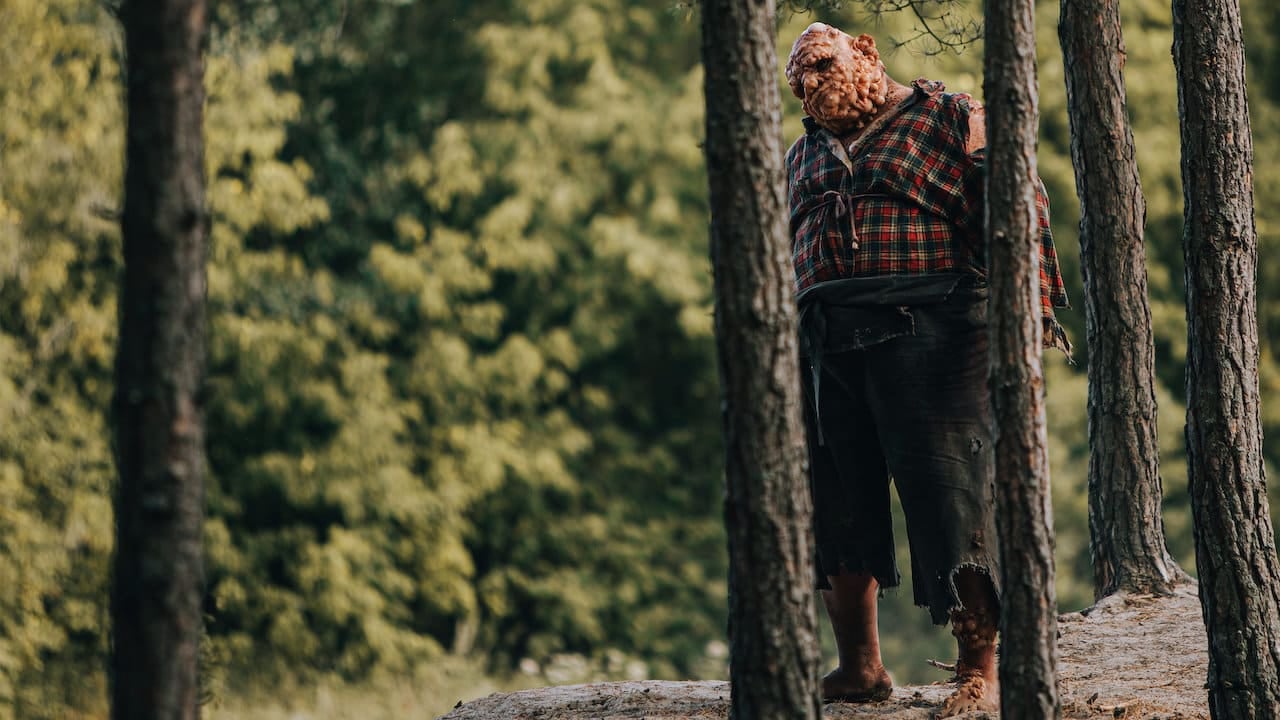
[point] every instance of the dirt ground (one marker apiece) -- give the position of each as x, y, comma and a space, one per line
1132, 657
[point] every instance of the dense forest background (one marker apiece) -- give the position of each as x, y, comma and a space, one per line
463, 405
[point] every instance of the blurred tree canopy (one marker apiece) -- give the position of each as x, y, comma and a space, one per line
462, 392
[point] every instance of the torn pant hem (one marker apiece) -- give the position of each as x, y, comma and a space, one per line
942, 616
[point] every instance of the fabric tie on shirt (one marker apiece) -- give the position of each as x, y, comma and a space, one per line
842, 205
837, 202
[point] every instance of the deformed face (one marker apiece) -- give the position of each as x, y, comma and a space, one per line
838, 78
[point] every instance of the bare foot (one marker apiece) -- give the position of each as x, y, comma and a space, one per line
870, 684
973, 693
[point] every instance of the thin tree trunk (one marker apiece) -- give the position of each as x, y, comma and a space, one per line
160, 365
772, 624
1235, 545
1028, 625
1126, 530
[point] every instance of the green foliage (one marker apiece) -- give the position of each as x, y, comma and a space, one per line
57, 322
477, 404
59, 243
462, 396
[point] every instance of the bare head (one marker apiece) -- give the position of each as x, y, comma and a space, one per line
838, 78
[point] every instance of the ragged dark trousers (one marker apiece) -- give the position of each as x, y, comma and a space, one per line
895, 384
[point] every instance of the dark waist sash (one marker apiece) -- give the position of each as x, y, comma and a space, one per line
856, 313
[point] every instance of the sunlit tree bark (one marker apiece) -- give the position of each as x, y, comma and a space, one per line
1235, 544
160, 367
1126, 531
1028, 657
772, 625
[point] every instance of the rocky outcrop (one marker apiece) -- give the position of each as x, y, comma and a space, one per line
1132, 657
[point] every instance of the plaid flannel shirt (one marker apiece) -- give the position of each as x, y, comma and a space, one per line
908, 202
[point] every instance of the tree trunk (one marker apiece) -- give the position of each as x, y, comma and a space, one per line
1235, 545
160, 365
772, 624
1028, 656
1126, 531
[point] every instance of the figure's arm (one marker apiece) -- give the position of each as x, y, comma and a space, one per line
977, 127
1052, 291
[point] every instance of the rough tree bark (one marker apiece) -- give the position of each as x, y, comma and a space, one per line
1126, 531
772, 623
160, 365
1235, 545
1028, 656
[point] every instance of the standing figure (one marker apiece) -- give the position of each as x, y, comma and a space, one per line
886, 196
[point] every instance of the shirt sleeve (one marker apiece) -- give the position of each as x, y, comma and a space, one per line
1053, 293
793, 186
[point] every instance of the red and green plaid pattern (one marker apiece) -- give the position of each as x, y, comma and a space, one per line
909, 202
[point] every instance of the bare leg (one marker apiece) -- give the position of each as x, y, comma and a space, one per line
851, 606
975, 629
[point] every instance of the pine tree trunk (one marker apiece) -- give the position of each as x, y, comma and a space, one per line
160, 365
1028, 657
772, 624
1235, 545
1126, 530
